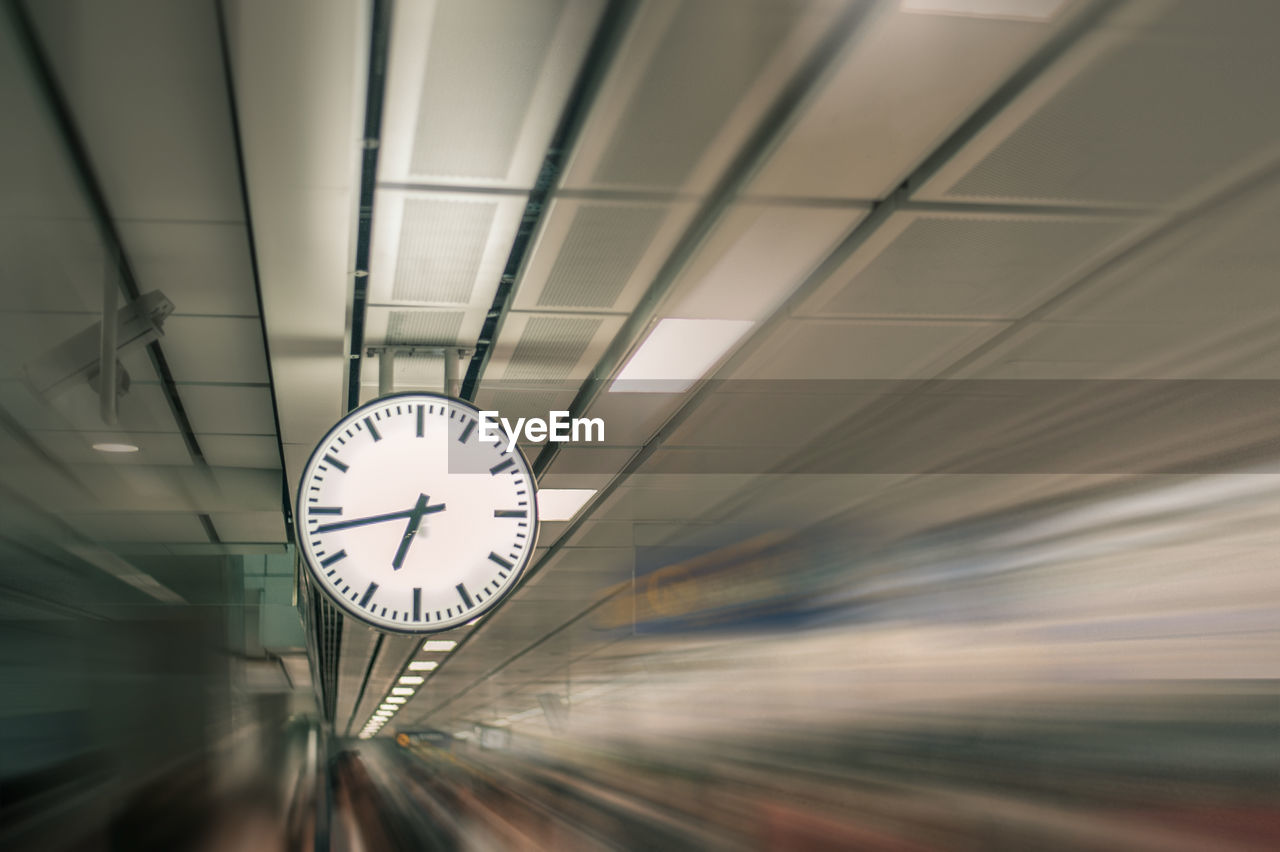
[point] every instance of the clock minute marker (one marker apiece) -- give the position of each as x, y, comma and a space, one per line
493, 557
373, 430
466, 431
339, 465
501, 466
368, 595
466, 598
510, 513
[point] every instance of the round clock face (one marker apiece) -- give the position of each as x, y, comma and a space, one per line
409, 521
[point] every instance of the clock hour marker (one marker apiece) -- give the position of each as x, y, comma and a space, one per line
466, 431
510, 513
496, 558
501, 466
373, 430
419, 421
327, 510
466, 598
341, 554
417, 592
339, 465
368, 594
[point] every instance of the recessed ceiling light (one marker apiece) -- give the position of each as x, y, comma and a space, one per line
439, 645
396, 699
562, 504
677, 353
386, 707
401, 690
423, 665
411, 679
1026, 10
108, 447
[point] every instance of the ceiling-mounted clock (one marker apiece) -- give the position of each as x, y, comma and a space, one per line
410, 521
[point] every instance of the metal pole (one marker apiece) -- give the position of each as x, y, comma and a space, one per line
386, 371
450, 371
107, 354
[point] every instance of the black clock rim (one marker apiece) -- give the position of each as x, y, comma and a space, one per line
313, 575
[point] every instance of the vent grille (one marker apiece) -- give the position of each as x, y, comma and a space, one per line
712, 54
1147, 123
326, 633
441, 246
602, 249
971, 267
424, 326
551, 347
474, 101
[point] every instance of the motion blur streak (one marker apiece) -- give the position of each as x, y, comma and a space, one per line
1096, 675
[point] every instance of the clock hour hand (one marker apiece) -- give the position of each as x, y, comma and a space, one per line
411, 529
375, 519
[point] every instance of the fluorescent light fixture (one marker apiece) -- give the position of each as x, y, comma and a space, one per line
396, 699
383, 713
401, 690
411, 679
108, 447
423, 665
562, 504
439, 645
1026, 10
677, 353
365, 736
390, 707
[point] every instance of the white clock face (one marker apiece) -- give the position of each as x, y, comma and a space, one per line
409, 521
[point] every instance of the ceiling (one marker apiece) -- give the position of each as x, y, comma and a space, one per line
890, 197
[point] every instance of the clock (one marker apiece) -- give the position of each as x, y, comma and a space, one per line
411, 522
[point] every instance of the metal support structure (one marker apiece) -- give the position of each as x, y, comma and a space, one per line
386, 355
386, 372
451, 372
107, 352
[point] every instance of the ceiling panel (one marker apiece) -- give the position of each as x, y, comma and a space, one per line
203, 268
598, 255
241, 451
962, 265
229, 409
1135, 113
456, 114
249, 526
687, 86
121, 64
140, 526
943, 65
550, 347
847, 349
215, 349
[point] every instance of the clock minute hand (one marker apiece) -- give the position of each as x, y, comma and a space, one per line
359, 522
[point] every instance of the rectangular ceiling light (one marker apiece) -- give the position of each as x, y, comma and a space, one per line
401, 690
385, 706
439, 645
562, 504
423, 665
677, 353
396, 699
411, 680
1023, 10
